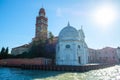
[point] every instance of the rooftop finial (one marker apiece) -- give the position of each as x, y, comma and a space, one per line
68, 23
81, 26
42, 5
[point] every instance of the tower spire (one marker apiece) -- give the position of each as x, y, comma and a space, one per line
68, 24
42, 5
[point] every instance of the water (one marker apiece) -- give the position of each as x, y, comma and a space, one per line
111, 73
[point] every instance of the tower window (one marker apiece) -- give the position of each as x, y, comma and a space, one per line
39, 21
67, 46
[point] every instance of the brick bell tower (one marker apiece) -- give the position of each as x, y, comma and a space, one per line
41, 26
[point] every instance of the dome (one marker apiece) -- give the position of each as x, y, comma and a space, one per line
68, 33
42, 10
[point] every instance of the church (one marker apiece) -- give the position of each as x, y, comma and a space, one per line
69, 45
71, 48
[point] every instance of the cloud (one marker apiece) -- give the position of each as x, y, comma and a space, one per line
70, 12
59, 12
73, 12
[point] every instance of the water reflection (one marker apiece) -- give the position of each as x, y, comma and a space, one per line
112, 73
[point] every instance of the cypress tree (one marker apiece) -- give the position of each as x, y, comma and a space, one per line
2, 50
6, 51
2, 53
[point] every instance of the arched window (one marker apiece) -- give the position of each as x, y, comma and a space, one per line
67, 46
78, 46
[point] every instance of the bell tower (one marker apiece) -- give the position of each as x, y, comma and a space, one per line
41, 26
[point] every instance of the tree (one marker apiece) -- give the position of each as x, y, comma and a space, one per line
51, 36
4, 53
2, 50
37, 49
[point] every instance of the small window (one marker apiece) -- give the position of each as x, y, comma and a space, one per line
78, 46
67, 46
58, 48
113, 57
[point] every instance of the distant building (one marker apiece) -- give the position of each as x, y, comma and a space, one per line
71, 48
105, 55
92, 58
20, 49
118, 54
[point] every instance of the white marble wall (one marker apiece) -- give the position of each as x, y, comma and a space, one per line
70, 56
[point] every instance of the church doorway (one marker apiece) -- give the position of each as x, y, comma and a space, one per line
69, 57
79, 60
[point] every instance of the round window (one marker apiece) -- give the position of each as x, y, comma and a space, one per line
67, 46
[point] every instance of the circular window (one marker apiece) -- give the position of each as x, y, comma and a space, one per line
67, 46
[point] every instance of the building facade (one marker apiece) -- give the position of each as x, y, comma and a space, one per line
105, 55
118, 53
41, 26
71, 48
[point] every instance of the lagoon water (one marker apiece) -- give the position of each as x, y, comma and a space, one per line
111, 73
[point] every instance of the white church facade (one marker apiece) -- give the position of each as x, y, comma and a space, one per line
71, 48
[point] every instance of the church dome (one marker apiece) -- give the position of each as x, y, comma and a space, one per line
68, 33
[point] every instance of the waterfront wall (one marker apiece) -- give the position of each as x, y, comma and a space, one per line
46, 64
65, 68
59, 68
34, 61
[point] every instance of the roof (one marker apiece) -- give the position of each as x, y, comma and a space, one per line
68, 33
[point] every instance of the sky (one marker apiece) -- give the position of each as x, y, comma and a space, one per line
100, 20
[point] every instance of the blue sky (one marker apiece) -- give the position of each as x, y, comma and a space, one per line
18, 17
